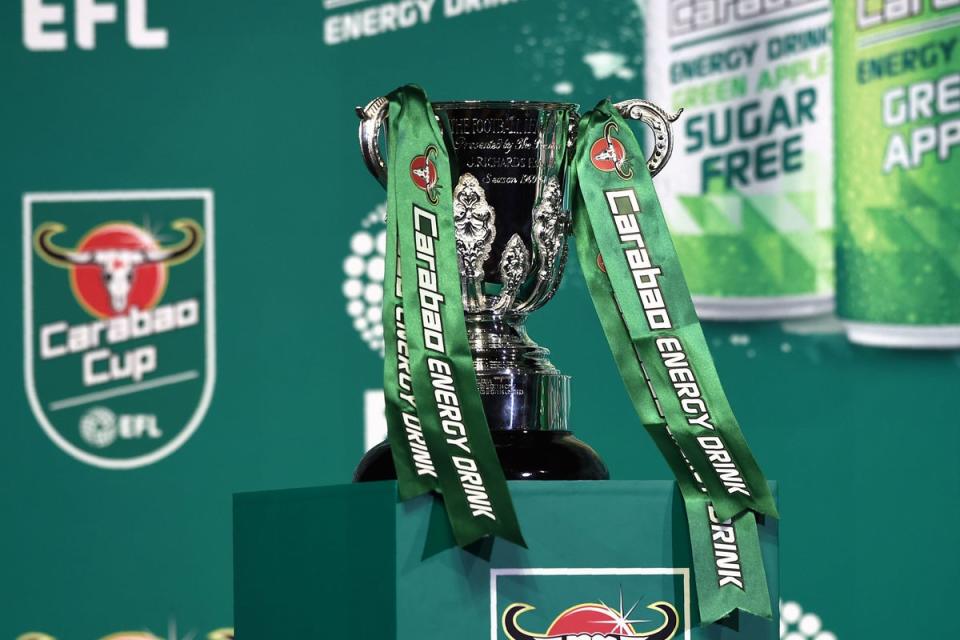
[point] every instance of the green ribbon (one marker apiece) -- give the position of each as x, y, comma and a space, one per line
416, 472
641, 297
426, 338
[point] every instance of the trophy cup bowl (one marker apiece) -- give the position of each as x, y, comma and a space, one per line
510, 163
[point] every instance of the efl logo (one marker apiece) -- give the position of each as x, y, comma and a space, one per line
119, 351
100, 427
44, 24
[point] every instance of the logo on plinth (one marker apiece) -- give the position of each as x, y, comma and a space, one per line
598, 604
119, 349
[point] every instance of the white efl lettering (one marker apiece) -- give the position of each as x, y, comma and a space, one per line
90, 13
37, 15
139, 35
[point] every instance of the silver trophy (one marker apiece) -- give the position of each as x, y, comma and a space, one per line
510, 206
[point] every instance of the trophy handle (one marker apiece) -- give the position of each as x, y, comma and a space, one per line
371, 120
659, 122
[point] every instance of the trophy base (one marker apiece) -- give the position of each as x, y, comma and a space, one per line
524, 455
351, 561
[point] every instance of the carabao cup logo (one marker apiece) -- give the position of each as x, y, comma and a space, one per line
119, 321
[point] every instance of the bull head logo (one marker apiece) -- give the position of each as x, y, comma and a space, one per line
573, 624
118, 265
609, 154
423, 172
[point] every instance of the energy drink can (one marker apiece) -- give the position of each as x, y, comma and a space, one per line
898, 171
749, 198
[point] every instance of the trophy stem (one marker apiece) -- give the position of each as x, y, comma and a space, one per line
519, 386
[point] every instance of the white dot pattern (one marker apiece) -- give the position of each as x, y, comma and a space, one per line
364, 270
795, 624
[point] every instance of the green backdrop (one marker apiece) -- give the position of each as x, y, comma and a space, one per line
247, 101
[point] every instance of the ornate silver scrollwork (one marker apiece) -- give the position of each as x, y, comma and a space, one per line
659, 122
514, 266
549, 230
474, 220
549, 227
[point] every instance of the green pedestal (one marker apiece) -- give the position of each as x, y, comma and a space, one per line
351, 562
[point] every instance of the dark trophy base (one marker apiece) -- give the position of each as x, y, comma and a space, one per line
524, 455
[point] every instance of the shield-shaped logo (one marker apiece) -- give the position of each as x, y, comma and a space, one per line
119, 325
596, 604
